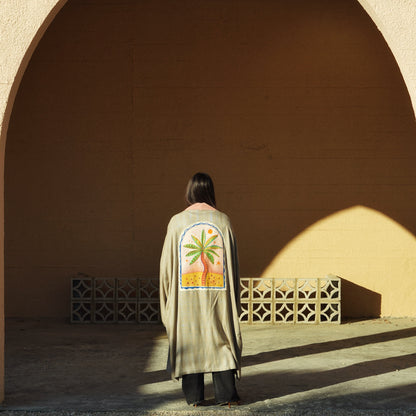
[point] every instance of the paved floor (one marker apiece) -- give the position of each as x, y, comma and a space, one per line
357, 368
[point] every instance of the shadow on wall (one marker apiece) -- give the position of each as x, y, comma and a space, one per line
297, 109
359, 302
369, 249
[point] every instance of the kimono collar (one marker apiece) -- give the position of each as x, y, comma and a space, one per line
200, 206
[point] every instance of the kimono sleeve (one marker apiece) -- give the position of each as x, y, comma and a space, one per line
167, 273
235, 269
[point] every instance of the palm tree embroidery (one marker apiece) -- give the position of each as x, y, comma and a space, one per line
203, 248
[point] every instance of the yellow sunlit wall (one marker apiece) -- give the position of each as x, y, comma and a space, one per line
297, 109
360, 245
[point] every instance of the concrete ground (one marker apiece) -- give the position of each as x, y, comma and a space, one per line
357, 368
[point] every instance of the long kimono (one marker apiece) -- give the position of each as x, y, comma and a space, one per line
200, 293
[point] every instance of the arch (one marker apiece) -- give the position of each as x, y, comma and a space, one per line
21, 49
396, 22
24, 25
22, 29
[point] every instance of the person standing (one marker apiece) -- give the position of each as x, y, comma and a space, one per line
200, 296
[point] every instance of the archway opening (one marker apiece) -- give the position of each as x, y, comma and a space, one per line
122, 102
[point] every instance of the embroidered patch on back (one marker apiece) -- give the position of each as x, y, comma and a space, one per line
201, 257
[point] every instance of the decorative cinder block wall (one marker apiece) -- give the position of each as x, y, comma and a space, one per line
299, 112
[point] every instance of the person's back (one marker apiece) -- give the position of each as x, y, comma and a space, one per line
199, 288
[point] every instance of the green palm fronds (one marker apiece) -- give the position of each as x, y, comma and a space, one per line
203, 247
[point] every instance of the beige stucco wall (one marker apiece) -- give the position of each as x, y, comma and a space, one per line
22, 24
21, 27
358, 241
113, 115
395, 20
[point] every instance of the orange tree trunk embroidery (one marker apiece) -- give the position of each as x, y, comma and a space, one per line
204, 249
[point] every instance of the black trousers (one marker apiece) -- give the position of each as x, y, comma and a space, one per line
224, 387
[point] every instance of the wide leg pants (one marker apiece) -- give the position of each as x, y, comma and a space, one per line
224, 387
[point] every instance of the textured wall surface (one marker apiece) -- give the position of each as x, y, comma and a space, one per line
297, 121
22, 24
396, 21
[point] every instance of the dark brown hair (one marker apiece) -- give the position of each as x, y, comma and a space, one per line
200, 189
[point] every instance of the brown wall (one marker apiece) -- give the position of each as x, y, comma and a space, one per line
297, 109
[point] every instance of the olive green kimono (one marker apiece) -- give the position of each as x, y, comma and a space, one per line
200, 293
